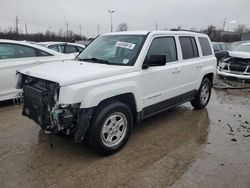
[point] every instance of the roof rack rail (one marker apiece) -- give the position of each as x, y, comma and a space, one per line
184, 30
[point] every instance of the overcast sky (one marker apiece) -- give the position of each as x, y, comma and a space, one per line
42, 15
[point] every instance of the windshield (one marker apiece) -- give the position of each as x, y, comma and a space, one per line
113, 49
243, 48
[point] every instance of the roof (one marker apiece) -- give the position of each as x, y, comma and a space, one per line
49, 43
245, 44
218, 42
157, 33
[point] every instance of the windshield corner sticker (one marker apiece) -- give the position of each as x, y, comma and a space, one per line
125, 61
125, 45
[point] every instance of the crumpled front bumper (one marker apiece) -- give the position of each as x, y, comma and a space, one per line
233, 75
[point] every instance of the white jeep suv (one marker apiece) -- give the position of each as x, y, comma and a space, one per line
118, 80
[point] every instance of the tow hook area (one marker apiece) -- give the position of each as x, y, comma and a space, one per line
62, 119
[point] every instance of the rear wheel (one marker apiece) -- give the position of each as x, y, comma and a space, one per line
110, 128
203, 95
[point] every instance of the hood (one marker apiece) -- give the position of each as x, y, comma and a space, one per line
242, 55
73, 72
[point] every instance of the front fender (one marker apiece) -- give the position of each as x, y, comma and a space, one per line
93, 95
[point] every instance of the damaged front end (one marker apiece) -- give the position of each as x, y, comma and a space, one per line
40, 104
234, 67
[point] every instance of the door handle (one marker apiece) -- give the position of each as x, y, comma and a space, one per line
176, 70
38, 62
199, 66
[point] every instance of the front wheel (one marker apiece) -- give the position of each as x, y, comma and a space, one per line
110, 128
203, 95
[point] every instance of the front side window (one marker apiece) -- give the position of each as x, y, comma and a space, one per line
9, 51
113, 49
163, 46
205, 46
188, 47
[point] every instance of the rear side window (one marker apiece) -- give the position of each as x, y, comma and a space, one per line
163, 46
9, 51
205, 46
55, 48
70, 49
188, 47
223, 47
79, 49
42, 53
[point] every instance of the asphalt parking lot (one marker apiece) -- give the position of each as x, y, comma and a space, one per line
182, 147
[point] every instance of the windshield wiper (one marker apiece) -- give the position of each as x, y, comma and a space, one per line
95, 60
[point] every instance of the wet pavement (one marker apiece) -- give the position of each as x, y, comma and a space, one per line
182, 147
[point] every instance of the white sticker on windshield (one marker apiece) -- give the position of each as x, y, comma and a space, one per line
125, 45
125, 61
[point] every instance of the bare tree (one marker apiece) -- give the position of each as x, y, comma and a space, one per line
122, 27
241, 28
214, 33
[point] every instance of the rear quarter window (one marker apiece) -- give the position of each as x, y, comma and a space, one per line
205, 46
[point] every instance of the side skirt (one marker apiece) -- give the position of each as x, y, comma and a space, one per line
165, 105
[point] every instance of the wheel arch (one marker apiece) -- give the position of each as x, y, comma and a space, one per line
126, 98
209, 76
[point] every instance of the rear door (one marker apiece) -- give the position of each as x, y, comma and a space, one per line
190, 67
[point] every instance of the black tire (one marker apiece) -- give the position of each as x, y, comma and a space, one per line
198, 103
102, 115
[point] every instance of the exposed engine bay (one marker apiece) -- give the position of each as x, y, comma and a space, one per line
40, 104
235, 65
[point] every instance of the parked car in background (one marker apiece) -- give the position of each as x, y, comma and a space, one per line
237, 65
15, 55
64, 47
234, 45
220, 50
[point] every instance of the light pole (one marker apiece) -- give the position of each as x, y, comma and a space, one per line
111, 13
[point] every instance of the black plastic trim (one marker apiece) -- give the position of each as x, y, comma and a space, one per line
167, 104
83, 123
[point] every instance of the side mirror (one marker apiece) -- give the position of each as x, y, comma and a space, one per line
155, 60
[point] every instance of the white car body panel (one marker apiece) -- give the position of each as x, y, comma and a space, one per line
74, 72
90, 83
243, 55
8, 68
